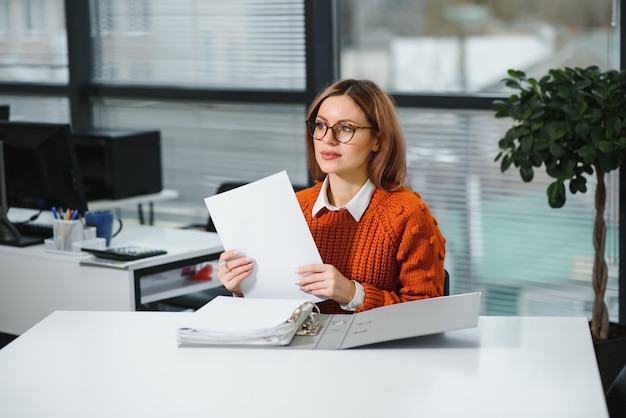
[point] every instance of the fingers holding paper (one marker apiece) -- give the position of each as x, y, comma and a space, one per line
233, 268
324, 280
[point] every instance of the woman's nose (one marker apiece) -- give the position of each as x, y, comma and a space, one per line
329, 137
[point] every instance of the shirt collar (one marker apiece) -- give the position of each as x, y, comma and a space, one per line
356, 206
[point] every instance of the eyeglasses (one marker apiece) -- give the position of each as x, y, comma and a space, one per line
342, 132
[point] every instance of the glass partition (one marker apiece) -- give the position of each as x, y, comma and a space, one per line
460, 46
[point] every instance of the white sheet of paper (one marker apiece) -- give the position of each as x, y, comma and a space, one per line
242, 315
263, 221
248, 321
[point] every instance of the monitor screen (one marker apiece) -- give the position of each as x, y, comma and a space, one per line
40, 165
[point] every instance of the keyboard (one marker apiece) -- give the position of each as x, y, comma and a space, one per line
34, 229
125, 253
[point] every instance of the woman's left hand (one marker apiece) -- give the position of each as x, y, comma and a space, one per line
325, 280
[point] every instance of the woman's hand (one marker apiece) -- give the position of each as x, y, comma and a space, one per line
325, 280
232, 269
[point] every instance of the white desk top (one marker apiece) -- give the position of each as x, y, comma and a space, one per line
128, 364
177, 242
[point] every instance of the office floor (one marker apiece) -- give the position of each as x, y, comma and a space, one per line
6, 338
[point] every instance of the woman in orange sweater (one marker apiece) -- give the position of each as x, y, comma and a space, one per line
378, 240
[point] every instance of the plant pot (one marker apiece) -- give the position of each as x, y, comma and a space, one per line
611, 354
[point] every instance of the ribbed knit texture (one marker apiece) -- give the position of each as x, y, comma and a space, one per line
395, 251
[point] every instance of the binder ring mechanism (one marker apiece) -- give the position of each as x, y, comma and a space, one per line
311, 324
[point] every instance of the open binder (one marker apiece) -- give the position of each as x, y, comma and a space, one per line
394, 322
247, 321
296, 323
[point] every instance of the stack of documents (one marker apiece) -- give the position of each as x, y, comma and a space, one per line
245, 321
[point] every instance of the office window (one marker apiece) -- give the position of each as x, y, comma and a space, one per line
5, 17
39, 109
502, 237
215, 44
34, 16
138, 15
103, 16
239, 44
34, 48
467, 46
206, 144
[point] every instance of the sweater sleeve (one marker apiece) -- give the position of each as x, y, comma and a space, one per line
420, 261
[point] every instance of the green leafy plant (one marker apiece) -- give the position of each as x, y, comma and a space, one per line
573, 123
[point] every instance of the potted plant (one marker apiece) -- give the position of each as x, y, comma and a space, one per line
572, 122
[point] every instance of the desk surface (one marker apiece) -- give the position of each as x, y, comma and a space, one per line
128, 364
177, 243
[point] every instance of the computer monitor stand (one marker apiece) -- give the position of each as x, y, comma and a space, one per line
9, 235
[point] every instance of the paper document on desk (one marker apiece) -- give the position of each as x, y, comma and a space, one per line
263, 220
245, 321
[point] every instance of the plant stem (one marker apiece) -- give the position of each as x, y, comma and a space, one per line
600, 317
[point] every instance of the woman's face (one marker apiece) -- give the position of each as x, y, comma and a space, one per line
349, 160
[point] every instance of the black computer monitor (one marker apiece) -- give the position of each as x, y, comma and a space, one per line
41, 171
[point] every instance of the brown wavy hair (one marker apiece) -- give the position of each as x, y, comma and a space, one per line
387, 167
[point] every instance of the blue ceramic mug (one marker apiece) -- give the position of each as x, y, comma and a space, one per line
103, 221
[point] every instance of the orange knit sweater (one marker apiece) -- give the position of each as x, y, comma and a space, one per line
395, 251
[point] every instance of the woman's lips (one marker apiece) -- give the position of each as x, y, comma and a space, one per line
329, 155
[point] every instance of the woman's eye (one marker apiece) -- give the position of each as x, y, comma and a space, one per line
320, 125
347, 128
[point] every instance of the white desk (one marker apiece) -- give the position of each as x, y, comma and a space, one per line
128, 364
35, 282
163, 195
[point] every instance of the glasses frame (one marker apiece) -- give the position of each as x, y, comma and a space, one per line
312, 128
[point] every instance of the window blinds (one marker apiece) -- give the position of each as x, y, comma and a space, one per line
502, 238
226, 45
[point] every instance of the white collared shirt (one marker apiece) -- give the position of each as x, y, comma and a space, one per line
356, 206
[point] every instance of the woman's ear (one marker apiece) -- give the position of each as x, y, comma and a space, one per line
376, 145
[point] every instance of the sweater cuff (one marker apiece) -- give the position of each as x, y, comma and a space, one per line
373, 297
357, 300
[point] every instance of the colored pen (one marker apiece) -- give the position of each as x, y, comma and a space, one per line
74, 214
55, 213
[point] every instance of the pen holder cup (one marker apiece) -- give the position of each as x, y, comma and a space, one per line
66, 233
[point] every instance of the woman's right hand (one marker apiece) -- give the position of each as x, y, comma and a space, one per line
232, 269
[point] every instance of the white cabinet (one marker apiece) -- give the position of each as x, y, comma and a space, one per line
35, 282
